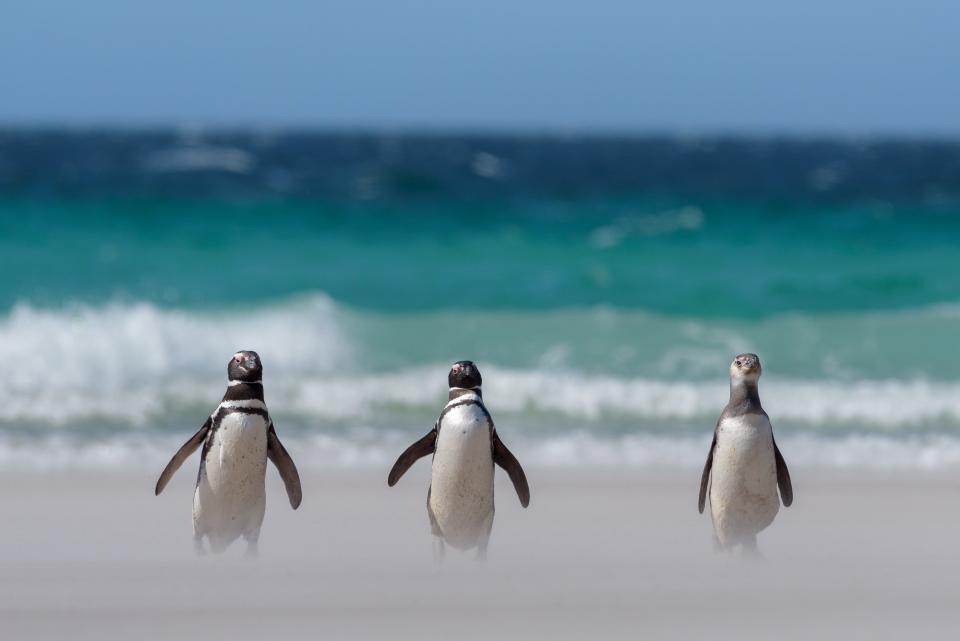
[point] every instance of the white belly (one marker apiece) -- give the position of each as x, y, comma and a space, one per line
230, 498
461, 489
743, 490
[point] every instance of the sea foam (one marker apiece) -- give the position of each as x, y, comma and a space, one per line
150, 451
138, 364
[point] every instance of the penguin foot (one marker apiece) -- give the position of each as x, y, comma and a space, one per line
717, 546
481, 556
750, 552
439, 550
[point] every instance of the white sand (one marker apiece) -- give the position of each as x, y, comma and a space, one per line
598, 555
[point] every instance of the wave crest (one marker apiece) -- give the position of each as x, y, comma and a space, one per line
122, 345
377, 450
138, 365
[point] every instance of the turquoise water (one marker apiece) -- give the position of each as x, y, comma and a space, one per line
710, 259
603, 321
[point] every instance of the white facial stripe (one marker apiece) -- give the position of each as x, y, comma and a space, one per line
465, 389
252, 403
465, 397
234, 383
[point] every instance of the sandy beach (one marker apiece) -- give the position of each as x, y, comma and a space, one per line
600, 553
631, 229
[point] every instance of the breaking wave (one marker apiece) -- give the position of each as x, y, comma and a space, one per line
142, 452
105, 385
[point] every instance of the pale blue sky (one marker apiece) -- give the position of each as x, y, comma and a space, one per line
854, 66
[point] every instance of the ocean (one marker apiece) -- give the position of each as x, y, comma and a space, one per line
602, 284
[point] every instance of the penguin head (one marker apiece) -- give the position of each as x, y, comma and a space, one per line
745, 367
464, 374
245, 367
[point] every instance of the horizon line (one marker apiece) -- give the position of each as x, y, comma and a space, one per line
476, 131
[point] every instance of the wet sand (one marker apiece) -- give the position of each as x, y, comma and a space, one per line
602, 554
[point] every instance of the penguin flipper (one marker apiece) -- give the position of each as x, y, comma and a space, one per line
705, 479
783, 477
277, 453
182, 455
411, 455
505, 459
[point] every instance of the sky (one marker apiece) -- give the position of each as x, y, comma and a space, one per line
737, 66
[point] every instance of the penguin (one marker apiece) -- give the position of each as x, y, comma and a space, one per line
744, 467
465, 446
238, 438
